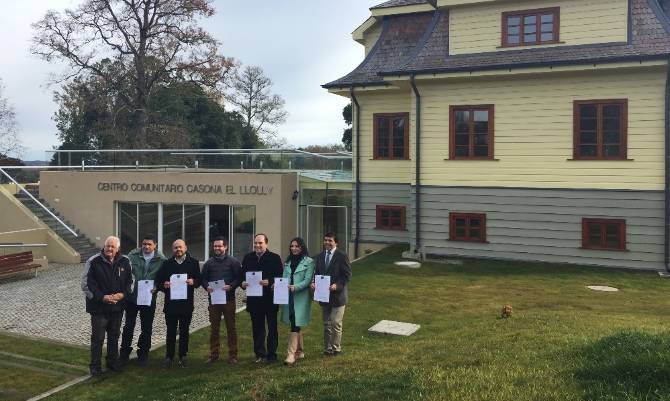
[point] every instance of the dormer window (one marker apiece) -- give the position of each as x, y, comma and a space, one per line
530, 27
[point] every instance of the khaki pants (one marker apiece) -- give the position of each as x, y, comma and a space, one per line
332, 327
228, 312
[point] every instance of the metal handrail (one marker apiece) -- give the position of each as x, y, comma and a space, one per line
22, 245
79, 167
38, 202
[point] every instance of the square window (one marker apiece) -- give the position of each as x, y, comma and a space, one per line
471, 132
467, 227
390, 217
604, 234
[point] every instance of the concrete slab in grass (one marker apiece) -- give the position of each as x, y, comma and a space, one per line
397, 328
408, 263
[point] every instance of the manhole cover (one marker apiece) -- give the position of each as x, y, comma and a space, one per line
602, 288
408, 263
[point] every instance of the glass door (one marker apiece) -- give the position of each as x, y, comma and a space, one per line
322, 219
243, 229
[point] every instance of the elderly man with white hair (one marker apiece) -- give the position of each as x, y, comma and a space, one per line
107, 282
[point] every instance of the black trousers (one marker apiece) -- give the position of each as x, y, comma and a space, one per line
147, 314
101, 324
258, 321
183, 320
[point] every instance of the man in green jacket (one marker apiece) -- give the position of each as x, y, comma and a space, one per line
145, 261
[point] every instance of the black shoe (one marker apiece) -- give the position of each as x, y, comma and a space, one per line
271, 359
167, 363
142, 362
114, 367
123, 360
183, 362
336, 353
328, 353
96, 372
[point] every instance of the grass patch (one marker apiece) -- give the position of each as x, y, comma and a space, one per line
560, 344
31, 366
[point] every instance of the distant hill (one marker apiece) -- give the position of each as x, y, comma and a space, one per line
36, 163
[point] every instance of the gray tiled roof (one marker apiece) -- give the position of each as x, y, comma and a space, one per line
398, 3
419, 43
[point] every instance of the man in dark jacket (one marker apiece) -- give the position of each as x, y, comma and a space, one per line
222, 266
178, 312
262, 309
334, 263
107, 284
145, 261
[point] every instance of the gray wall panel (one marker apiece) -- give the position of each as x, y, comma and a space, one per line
383, 194
545, 224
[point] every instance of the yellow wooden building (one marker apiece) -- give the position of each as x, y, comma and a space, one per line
514, 129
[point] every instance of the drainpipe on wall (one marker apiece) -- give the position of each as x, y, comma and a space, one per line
357, 179
417, 194
666, 235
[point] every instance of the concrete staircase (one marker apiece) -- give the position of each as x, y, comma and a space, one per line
80, 243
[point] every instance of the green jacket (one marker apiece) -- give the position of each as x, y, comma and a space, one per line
302, 300
143, 271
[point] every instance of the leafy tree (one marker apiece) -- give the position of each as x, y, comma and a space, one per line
346, 135
9, 137
182, 114
250, 94
149, 43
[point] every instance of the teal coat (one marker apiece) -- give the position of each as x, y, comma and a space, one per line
302, 301
141, 271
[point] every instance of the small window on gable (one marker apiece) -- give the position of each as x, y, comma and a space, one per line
530, 27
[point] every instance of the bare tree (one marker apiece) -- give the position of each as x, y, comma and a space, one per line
154, 40
9, 137
250, 93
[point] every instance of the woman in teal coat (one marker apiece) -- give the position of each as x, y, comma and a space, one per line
299, 269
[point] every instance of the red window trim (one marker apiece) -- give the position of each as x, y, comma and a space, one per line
599, 133
378, 220
603, 244
375, 126
556, 11
452, 132
452, 227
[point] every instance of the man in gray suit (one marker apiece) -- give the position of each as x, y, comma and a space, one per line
334, 263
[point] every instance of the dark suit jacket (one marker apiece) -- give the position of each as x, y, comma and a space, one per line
271, 266
191, 267
339, 271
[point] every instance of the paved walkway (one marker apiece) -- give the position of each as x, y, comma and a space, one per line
52, 306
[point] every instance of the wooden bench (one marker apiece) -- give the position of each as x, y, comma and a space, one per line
15, 263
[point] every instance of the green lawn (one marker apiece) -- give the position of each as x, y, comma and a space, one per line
29, 367
563, 342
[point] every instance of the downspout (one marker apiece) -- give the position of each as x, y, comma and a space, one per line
357, 179
666, 235
417, 156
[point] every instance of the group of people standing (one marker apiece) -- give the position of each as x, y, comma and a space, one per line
111, 281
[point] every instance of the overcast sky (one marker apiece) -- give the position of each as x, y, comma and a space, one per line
300, 44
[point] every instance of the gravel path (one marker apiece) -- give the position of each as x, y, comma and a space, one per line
52, 306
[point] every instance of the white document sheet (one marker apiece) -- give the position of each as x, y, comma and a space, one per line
322, 290
144, 294
254, 289
281, 291
218, 296
178, 286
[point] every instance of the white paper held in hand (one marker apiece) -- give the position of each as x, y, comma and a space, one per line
322, 290
254, 287
218, 295
178, 286
144, 294
281, 291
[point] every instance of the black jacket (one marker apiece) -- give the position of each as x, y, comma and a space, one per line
225, 268
339, 271
271, 266
191, 267
102, 277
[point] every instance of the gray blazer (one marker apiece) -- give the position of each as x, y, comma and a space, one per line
339, 271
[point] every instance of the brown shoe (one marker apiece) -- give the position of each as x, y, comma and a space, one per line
212, 359
232, 360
